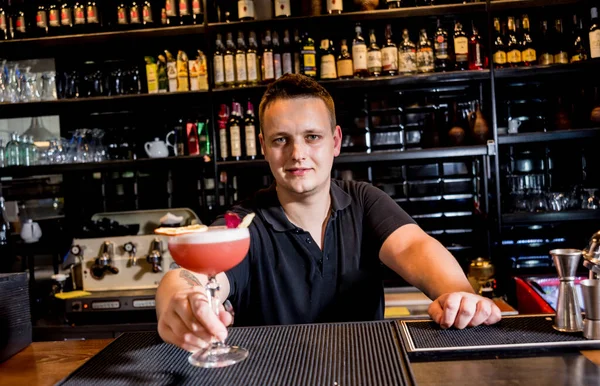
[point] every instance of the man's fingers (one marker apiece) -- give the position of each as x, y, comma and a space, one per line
495, 316
468, 306
209, 320
177, 333
435, 311
451, 306
482, 312
225, 316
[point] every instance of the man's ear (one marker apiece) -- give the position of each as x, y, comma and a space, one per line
262, 143
337, 140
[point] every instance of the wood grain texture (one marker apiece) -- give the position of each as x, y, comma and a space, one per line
593, 355
46, 363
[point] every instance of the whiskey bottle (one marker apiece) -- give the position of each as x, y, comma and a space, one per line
327, 68
425, 61
344, 62
389, 54
594, 34
359, 54
308, 57
461, 47
442, 55
513, 46
407, 55
499, 55
374, 65
528, 53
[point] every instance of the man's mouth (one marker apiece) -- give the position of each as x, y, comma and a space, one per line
298, 171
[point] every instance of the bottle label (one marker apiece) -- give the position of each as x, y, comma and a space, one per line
441, 48
172, 75
374, 61
223, 143
407, 61
219, 74
328, 70
500, 57
268, 64
79, 15
66, 18
335, 5
183, 80
229, 69
246, 9
277, 65
252, 70
425, 59
121, 16
529, 55
163, 17
577, 58
184, 10
595, 44
282, 8
240, 67
514, 56
461, 49
3, 21
147, 14
196, 7
236, 141
134, 15
20, 24
193, 67
54, 18
250, 140
344, 68
359, 57
389, 58
561, 58
287, 63
152, 78
309, 61
478, 57
546, 59
170, 8
41, 20
92, 14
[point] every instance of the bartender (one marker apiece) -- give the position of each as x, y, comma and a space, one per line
317, 244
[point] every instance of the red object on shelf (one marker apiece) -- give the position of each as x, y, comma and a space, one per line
529, 301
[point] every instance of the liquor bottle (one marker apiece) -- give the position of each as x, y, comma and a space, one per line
241, 70
197, 13
4, 23
92, 17
277, 65
171, 9
513, 47
234, 127
461, 47
359, 54
204, 142
282, 8
185, 12
308, 57
246, 10
499, 55
442, 54
223, 143
407, 55
477, 58
147, 14
191, 132
183, 75
171, 71
66, 17
135, 14
578, 49
327, 69
19, 22
344, 62
122, 15
561, 49
393, 4
335, 6
202, 71
252, 59
546, 56
79, 24
6, 248
267, 65
218, 62
161, 74
528, 53
297, 49
286, 56
425, 62
11, 152
229, 61
374, 65
389, 53
151, 74
250, 141
594, 34
41, 20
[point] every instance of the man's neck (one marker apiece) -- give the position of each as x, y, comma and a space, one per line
306, 211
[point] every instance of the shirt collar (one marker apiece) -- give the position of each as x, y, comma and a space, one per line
272, 211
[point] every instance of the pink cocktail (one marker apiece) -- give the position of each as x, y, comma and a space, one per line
215, 250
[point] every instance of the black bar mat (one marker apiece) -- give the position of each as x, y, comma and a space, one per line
513, 333
317, 354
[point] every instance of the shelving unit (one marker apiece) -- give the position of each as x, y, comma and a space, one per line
514, 139
550, 217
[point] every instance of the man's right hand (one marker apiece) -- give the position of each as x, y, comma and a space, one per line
189, 322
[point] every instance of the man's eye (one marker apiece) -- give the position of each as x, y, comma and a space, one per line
313, 137
279, 140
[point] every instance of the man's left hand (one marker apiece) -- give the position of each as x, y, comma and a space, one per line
463, 309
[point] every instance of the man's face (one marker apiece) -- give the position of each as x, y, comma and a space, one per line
299, 144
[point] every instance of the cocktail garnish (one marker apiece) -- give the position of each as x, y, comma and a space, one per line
180, 230
232, 220
247, 220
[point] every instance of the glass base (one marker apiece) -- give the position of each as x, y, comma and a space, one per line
218, 355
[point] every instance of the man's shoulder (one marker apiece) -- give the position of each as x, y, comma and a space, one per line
356, 189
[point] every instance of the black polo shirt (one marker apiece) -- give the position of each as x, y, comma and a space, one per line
287, 279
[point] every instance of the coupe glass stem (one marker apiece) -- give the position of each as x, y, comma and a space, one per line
212, 287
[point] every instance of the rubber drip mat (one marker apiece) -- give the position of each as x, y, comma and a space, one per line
512, 333
318, 354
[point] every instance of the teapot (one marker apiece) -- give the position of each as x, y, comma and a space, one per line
31, 232
156, 149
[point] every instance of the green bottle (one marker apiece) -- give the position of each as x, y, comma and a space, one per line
203, 138
163, 80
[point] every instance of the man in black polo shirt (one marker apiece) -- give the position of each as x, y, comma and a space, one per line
316, 243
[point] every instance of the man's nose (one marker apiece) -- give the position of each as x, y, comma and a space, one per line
298, 151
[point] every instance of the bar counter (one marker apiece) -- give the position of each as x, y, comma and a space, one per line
46, 363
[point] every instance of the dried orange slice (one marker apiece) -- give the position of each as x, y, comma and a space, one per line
180, 230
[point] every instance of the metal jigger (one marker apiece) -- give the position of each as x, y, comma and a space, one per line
568, 312
591, 300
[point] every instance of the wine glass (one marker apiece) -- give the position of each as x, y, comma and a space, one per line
215, 250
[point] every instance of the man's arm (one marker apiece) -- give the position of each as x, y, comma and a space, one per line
425, 263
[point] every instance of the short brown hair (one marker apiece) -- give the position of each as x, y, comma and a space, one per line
291, 86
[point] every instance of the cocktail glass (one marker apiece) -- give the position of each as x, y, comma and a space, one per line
215, 250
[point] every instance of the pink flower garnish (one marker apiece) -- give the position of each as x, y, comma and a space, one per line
232, 220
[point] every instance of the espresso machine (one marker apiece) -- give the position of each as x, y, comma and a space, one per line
119, 274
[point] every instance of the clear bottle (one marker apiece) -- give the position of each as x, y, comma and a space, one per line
246, 10
513, 47
461, 47
327, 69
389, 54
594, 34
24, 151
344, 62
277, 65
407, 55
229, 61
425, 61
241, 69
374, 65
218, 62
308, 57
359, 54
287, 59
2, 157
11, 154
443, 62
252, 59
33, 150
267, 65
